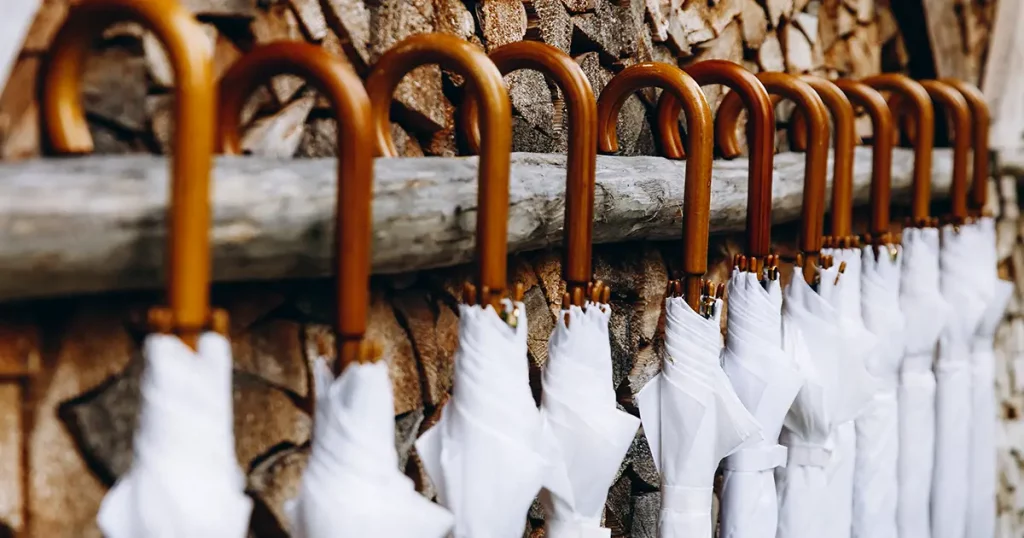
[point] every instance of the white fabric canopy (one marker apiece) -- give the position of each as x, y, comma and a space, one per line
579, 409
488, 456
692, 419
352, 485
925, 313
766, 379
184, 481
981, 513
951, 474
877, 429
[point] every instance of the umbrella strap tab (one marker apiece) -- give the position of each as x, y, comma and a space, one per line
758, 458
809, 455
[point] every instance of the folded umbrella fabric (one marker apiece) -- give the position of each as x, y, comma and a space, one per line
580, 413
184, 481
352, 485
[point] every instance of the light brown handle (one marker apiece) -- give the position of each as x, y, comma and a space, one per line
697, 193
65, 125
924, 122
483, 79
582, 153
980, 121
839, 106
813, 108
353, 228
761, 133
881, 155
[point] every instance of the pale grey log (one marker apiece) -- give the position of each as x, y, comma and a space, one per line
92, 224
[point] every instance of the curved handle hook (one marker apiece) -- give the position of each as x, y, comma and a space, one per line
581, 160
697, 193
816, 168
839, 106
188, 48
761, 133
881, 164
353, 229
483, 79
981, 119
924, 114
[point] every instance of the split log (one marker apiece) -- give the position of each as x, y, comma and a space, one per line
947, 39
502, 22
279, 23
1002, 86
350, 21
273, 218
755, 23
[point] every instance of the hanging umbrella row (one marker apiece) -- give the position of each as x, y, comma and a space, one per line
856, 402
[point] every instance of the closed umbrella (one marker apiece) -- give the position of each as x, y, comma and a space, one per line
486, 456
925, 312
578, 403
352, 485
981, 509
692, 416
764, 376
184, 479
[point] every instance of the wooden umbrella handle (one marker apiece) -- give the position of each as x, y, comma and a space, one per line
813, 108
581, 160
353, 229
188, 48
841, 108
881, 156
761, 133
924, 122
980, 120
483, 79
697, 193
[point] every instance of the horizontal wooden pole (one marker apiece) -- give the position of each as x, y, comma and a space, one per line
94, 224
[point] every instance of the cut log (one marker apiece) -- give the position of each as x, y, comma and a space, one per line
278, 23
865, 56
502, 22
659, 13
770, 56
755, 24
828, 25
311, 18
846, 22
888, 28
279, 135
239, 9
548, 21
949, 51
838, 57
778, 10
727, 46
580, 6
159, 65
114, 87
424, 212
453, 17
604, 31
1002, 86
350, 20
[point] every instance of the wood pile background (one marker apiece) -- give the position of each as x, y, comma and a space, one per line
128, 81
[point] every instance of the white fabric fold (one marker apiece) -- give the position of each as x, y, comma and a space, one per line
352, 485
184, 481
951, 471
766, 379
877, 429
488, 455
692, 419
981, 508
925, 313
579, 410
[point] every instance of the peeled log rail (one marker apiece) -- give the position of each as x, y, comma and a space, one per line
94, 224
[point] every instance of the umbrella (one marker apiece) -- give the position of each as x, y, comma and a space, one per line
578, 403
184, 435
925, 312
352, 485
692, 416
877, 429
763, 375
487, 456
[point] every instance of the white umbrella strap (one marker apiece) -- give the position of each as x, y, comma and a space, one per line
808, 455
574, 529
757, 458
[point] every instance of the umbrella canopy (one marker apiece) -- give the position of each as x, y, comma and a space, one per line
184, 479
981, 512
352, 485
877, 428
692, 418
767, 380
925, 313
579, 410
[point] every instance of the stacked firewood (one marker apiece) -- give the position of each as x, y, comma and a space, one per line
128, 85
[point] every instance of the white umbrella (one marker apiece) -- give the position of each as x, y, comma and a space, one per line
485, 456
925, 313
579, 409
766, 380
875, 479
981, 513
950, 478
184, 479
352, 485
855, 384
692, 417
